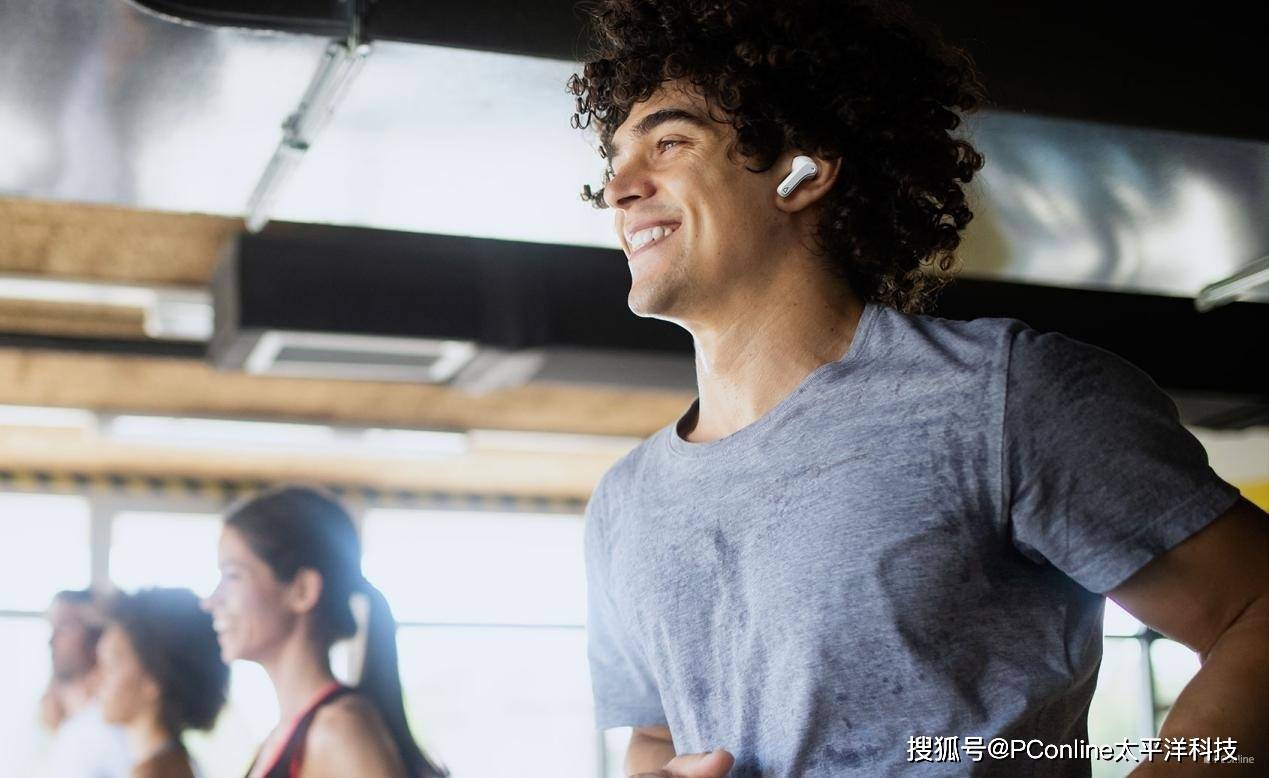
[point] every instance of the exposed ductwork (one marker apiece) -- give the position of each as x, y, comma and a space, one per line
486, 314
329, 302
1098, 214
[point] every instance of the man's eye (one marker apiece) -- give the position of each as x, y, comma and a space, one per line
662, 145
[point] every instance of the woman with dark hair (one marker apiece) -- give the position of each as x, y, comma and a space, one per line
161, 674
290, 564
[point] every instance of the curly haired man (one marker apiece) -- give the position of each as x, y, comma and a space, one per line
874, 528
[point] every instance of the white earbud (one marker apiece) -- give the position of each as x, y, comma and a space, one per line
802, 169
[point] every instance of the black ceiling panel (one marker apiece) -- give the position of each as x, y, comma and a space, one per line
1128, 63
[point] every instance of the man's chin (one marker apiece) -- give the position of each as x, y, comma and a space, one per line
652, 301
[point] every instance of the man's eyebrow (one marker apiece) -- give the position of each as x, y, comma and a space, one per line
655, 119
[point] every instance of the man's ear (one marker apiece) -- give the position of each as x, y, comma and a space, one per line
304, 591
812, 189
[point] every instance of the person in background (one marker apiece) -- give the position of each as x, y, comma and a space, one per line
161, 674
84, 745
290, 564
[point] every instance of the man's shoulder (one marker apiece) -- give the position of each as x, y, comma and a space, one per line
932, 350
626, 470
622, 479
986, 333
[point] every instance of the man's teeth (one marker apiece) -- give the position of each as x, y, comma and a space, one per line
643, 237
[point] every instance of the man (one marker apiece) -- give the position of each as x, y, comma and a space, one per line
84, 745
873, 526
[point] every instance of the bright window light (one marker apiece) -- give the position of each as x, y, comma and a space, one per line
527, 689
411, 443
165, 549
1118, 621
24, 675
45, 548
250, 713
1116, 710
475, 568
1174, 666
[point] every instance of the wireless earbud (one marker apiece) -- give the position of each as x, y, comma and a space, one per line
802, 169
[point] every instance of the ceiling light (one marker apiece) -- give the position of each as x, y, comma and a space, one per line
1227, 290
340, 64
46, 417
170, 313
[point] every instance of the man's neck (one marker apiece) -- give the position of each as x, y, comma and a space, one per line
76, 695
749, 359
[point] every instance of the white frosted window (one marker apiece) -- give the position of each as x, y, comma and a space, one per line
24, 674
530, 686
1118, 621
477, 568
44, 548
165, 549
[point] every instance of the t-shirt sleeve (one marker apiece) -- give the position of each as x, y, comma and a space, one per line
624, 689
1098, 475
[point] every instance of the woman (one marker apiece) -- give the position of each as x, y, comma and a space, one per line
290, 565
161, 673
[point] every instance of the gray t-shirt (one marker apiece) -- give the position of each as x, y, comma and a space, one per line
912, 543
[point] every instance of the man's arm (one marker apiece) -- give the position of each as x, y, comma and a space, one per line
649, 750
1211, 593
651, 755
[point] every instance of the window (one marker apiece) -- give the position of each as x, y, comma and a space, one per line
492, 641
45, 549
248, 717
24, 674
477, 568
501, 700
1140, 677
164, 549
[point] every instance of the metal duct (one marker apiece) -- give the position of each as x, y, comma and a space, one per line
329, 302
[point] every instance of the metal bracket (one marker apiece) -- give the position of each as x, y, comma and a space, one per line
341, 62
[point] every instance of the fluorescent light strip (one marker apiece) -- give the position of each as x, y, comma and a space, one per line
341, 62
284, 437
1254, 275
171, 313
268, 437
415, 442
550, 442
46, 417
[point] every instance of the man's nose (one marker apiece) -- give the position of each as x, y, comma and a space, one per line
629, 184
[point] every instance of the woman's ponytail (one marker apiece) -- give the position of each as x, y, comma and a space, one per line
380, 679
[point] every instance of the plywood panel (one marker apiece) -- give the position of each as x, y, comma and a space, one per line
191, 387
74, 321
570, 476
68, 240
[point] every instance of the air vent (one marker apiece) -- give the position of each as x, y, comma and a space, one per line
358, 357
314, 301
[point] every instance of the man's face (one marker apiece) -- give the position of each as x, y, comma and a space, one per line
72, 643
694, 223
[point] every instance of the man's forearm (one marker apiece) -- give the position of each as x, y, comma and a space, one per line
647, 754
1225, 700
